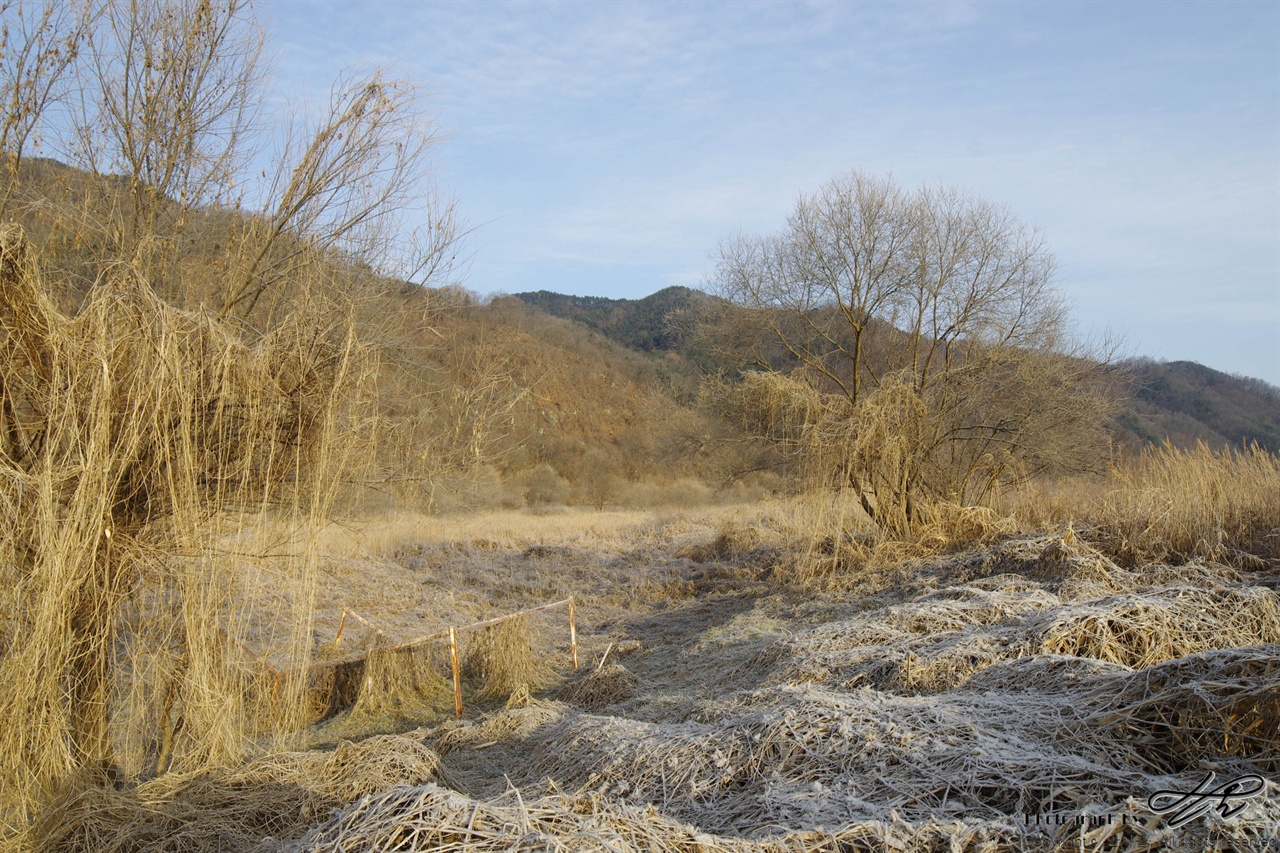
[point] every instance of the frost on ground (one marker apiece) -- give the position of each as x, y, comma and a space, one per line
1029, 695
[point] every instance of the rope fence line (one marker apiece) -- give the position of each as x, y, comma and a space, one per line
450, 634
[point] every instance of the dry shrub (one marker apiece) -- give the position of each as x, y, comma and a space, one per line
605, 686
506, 660
1144, 629
640, 494
732, 542
140, 448
686, 492
1205, 706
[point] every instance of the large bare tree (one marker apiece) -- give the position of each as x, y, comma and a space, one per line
917, 349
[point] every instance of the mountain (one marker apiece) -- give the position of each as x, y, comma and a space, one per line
644, 324
1184, 402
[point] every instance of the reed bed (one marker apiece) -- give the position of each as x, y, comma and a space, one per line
1167, 505
154, 465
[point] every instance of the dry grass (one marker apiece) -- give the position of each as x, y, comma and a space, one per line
1066, 601
514, 723
993, 673
408, 683
1172, 506
270, 800
1215, 704
151, 465
1164, 506
387, 533
935, 721
506, 659
435, 818
1148, 628
604, 686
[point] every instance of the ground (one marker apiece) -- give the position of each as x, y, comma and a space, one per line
1019, 693
1025, 694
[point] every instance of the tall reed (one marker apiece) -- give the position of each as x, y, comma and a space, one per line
152, 464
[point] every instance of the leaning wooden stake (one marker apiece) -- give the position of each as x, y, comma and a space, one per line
342, 623
573, 635
457, 682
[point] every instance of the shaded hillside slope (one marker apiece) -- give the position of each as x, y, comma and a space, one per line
638, 324
1184, 402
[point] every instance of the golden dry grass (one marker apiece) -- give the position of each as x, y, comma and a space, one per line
1170, 505
507, 660
142, 449
988, 661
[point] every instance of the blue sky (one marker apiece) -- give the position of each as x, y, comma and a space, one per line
606, 148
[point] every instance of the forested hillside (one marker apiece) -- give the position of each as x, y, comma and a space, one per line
1180, 402
646, 324
1183, 402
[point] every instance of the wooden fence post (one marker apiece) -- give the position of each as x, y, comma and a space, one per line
342, 623
573, 634
457, 682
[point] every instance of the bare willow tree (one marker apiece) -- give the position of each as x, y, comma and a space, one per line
927, 350
347, 182
169, 96
214, 204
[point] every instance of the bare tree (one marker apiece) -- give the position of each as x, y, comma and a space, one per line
166, 117
170, 98
928, 351
347, 183
39, 43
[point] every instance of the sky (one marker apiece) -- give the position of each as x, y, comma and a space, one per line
606, 149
